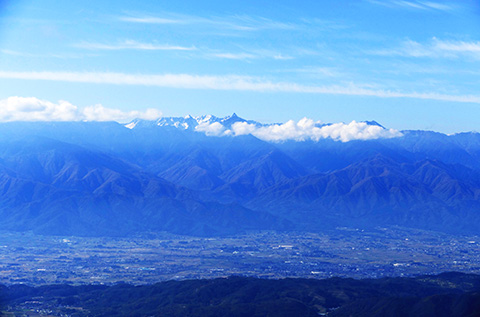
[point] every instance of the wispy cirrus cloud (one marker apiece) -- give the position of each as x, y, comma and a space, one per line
152, 20
435, 48
235, 22
50, 55
133, 45
236, 56
250, 55
416, 5
282, 57
458, 46
141, 46
227, 82
33, 109
316, 72
16, 53
232, 22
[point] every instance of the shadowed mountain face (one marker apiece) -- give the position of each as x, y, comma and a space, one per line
106, 179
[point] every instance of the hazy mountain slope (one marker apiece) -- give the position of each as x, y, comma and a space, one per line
450, 149
198, 170
328, 155
104, 178
58, 188
247, 179
380, 191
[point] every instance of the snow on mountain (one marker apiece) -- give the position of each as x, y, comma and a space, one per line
188, 122
302, 130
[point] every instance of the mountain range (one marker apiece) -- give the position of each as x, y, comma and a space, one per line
216, 176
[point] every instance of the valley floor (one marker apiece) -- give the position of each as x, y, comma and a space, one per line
344, 252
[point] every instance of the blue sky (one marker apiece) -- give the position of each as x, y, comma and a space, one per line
406, 64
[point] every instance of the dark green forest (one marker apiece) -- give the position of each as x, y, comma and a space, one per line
447, 294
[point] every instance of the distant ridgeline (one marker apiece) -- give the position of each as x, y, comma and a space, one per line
444, 295
219, 176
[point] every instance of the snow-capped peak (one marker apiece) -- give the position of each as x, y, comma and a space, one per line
187, 122
131, 125
303, 129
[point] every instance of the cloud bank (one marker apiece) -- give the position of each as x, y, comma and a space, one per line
34, 109
304, 129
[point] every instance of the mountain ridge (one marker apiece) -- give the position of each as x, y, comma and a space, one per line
85, 178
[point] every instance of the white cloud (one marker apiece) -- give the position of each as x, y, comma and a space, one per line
243, 128
100, 113
304, 129
354, 131
228, 82
133, 45
34, 109
211, 129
